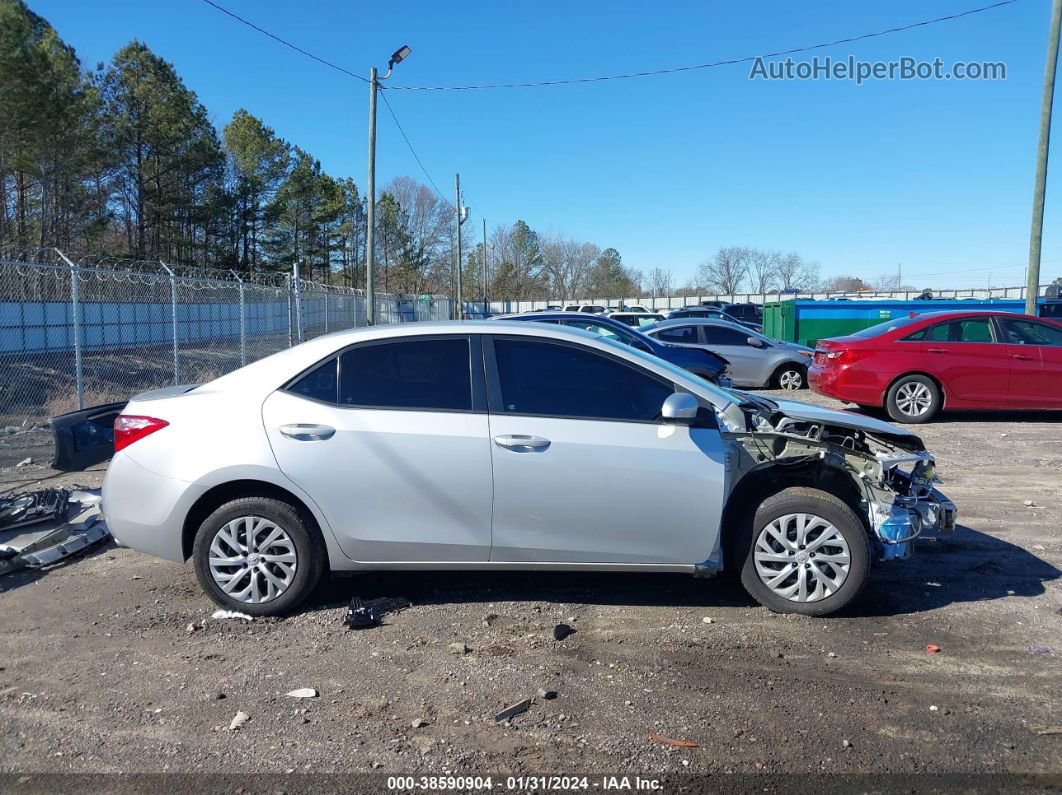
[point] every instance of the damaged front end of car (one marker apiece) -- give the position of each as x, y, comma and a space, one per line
884, 473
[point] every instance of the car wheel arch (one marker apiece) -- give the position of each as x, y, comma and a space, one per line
789, 363
764, 482
217, 496
924, 374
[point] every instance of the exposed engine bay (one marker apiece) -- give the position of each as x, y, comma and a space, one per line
890, 475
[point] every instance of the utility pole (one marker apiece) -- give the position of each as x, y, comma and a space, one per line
462, 216
370, 205
1032, 284
397, 56
484, 269
459, 309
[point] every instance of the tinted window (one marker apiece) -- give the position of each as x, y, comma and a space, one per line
409, 374
1026, 332
571, 309
680, 334
564, 381
720, 335
318, 384
972, 330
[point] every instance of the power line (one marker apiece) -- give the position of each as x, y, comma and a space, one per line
978, 270
713, 64
383, 95
285, 43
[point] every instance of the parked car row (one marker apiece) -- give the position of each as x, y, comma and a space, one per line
476, 445
914, 367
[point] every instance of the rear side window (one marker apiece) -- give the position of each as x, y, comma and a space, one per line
319, 383
719, 335
973, 330
680, 334
1025, 332
430, 375
554, 380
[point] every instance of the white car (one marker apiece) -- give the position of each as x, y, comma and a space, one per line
507, 445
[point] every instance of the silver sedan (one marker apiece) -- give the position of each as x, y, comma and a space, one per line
755, 360
506, 445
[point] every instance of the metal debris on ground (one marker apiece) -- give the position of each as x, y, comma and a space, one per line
363, 614
513, 710
38, 528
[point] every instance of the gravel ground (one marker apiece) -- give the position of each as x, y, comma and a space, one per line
111, 663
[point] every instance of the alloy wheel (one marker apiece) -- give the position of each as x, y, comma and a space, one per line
252, 559
802, 557
791, 379
914, 398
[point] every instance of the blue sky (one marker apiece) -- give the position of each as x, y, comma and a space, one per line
934, 175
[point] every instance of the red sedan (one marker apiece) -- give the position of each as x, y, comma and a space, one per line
915, 366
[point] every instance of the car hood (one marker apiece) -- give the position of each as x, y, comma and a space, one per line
793, 346
848, 419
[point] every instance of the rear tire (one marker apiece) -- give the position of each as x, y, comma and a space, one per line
273, 572
791, 377
805, 552
913, 399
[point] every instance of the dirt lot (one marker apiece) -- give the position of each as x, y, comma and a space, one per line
111, 662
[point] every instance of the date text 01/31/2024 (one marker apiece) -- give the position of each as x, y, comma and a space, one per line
523, 783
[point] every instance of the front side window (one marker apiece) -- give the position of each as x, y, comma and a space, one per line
1026, 332
430, 375
720, 335
549, 379
679, 334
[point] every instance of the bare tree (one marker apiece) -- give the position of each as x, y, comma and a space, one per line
658, 283
796, 273
763, 269
844, 284
568, 265
725, 273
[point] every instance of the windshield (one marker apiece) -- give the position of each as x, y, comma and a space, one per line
886, 326
718, 391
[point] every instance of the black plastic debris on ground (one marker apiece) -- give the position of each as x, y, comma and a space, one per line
561, 631
366, 613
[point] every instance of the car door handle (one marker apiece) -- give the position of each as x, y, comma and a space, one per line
1021, 356
937, 350
519, 443
307, 432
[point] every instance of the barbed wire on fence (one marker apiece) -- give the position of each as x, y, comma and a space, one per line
79, 330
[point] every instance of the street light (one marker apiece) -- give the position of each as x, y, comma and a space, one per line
397, 57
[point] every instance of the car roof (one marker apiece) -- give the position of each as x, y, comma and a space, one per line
525, 316
699, 321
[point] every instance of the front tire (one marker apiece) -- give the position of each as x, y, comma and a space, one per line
258, 555
804, 552
790, 377
913, 399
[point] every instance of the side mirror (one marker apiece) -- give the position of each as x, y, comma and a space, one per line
755, 342
680, 408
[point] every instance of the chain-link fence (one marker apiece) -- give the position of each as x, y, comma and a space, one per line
77, 332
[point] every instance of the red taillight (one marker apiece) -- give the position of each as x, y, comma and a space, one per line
825, 358
128, 428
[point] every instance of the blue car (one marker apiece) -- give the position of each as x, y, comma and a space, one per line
698, 361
